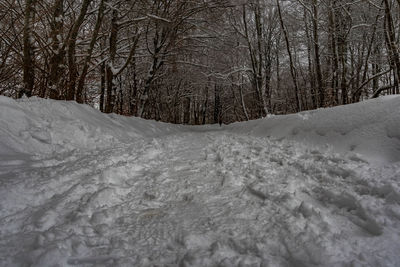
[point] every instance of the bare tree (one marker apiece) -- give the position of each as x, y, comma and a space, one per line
28, 50
186, 61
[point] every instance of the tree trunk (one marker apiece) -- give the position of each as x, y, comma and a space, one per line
320, 86
246, 115
28, 53
81, 81
334, 52
111, 90
133, 94
390, 39
102, 85
57, 51
71, 50
292, 68
310, 64
217, 105
259, 77
204, 108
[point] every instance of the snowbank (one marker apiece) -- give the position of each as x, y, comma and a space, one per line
370, 128
43, 126
37, 126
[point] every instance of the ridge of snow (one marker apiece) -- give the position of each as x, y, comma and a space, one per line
370, 128
42, 126
35, 125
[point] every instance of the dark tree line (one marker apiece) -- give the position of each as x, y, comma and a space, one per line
198, 62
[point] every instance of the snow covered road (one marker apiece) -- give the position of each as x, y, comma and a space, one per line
81, 188
200, 198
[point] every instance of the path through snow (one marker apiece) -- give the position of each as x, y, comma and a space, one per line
199, 198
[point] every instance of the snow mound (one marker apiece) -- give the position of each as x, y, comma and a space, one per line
370, 128
42, 126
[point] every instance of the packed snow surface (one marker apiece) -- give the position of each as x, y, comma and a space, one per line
81, 188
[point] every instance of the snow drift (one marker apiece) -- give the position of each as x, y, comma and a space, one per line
37, 126
371, 128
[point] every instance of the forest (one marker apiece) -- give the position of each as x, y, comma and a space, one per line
200, 133
200, 61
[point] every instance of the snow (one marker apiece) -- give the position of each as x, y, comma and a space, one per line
82, 188
158, 18
369, 128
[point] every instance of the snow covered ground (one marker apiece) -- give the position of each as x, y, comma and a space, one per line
81, 188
